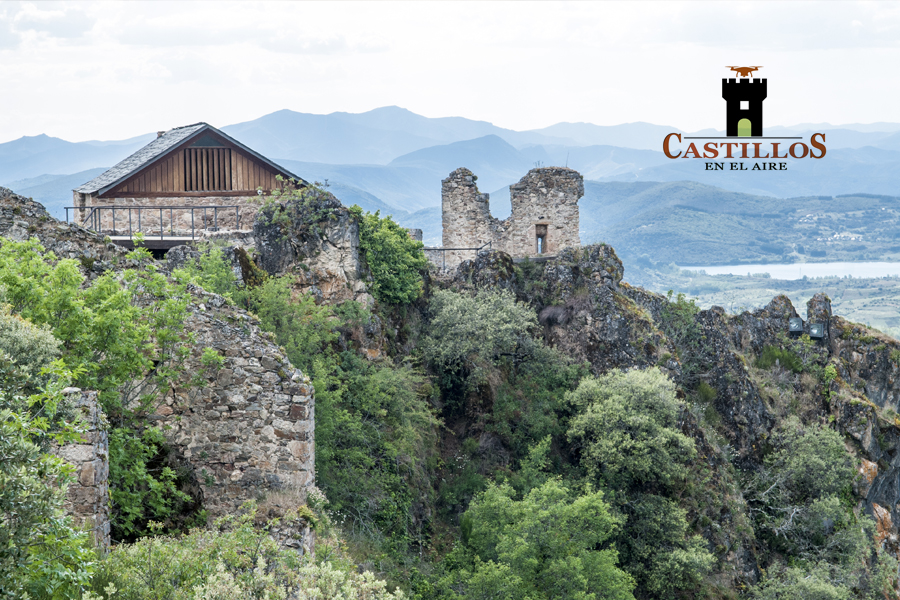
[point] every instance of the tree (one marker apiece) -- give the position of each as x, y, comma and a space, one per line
122, 336
626, 430
470, 335
550, 544
40, 551
799, 501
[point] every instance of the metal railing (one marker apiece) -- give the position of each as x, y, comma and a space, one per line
94, 219
444, 252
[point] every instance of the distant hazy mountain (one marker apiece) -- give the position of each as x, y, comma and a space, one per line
374, 137
644, 136
492, 160
405, 188
53, 191
29, 157
842, 171
391, 159
690, 223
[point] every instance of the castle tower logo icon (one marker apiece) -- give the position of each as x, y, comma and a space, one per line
745, 103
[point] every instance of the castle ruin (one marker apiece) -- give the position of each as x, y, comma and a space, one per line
544, 216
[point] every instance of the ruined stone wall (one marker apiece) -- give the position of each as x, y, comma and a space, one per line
544, 203
178, 221
544, 197
465, 216
87, 498
248, 429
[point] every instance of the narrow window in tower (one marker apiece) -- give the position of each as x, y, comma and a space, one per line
745, 105
540, 238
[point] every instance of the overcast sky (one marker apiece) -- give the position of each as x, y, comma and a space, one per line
113, 70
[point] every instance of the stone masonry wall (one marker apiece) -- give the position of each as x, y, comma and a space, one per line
466, 216
177, 220
545, 197
87, 498
248, 429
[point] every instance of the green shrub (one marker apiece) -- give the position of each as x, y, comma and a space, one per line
469, 336
234, 559
705, 392
25, 350
302, 327
211, 272
802, 485
627, 432
375, 439
678, 320
145, 489
394, 258
122, 336
787, 359
627, 428
41, 553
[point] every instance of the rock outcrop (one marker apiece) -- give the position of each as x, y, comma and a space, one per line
22, 219
315, 239
589, 313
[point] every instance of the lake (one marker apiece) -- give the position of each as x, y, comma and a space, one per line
799, 270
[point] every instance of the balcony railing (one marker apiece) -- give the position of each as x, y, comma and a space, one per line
151, 220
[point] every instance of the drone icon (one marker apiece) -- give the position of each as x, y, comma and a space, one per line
744, 71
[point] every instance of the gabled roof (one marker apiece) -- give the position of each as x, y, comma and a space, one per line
159, 148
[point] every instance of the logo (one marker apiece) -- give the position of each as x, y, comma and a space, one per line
744, 137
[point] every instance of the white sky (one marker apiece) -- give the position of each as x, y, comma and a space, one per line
113, 70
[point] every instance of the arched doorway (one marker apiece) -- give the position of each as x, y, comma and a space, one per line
744, 128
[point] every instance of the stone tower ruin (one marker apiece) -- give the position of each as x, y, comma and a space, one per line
544, 216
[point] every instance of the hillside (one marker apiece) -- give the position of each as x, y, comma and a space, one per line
691, 224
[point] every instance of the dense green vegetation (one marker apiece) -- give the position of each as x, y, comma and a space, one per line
458, 454
40, 551
121, 337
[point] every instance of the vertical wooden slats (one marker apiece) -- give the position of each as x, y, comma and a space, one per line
194, 183
205, 169
217, 185
178, 175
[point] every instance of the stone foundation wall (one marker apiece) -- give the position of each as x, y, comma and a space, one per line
174, 222
544, 202
87, 498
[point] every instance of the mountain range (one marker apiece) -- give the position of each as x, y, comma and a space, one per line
391, 159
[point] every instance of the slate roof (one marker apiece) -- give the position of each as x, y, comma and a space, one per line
158, 148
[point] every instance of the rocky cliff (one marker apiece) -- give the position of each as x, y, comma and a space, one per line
590, 313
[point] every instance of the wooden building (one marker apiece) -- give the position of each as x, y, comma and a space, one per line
188, 178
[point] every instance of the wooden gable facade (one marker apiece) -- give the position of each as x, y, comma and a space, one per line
203, 166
